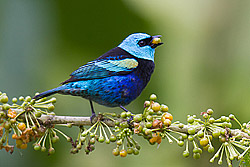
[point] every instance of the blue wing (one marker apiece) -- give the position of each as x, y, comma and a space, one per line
105, 66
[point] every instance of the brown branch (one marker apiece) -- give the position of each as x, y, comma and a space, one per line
81, 121
74, 120
85, 121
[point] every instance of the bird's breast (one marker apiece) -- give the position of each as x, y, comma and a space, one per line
115, 90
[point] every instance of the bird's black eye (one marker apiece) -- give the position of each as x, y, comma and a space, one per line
145, 42
142, 43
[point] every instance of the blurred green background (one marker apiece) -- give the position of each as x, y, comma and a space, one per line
204, 63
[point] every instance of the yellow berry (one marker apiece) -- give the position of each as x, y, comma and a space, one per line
204, 142
14, 136
166, 115
123, 153
156, 41
116, 152
156, 107
164, 108
167, 122
21, 126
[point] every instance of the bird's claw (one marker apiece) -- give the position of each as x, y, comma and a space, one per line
129, 121
92, 118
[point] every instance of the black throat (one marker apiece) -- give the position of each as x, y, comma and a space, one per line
145, 69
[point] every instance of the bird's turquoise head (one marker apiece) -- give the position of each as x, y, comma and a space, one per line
141, 45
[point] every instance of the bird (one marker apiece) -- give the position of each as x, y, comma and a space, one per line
117, 77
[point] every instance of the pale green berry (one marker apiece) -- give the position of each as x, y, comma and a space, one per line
6, 106
21, 98
28, 98
14, 100
51, 107
4, 99
190, 120
123, 114
153, 97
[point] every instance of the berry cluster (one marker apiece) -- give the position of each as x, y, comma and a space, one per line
154, 123
99, 132
125, 142
204, 131
22, 121
30, 121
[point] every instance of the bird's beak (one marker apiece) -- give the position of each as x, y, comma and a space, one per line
156, 41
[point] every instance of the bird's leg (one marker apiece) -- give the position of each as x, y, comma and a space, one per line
123, 108
92, 111
131, 118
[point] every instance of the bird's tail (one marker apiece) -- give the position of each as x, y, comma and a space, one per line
47, 93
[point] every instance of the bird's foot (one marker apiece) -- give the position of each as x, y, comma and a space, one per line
92, 118
129, 121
